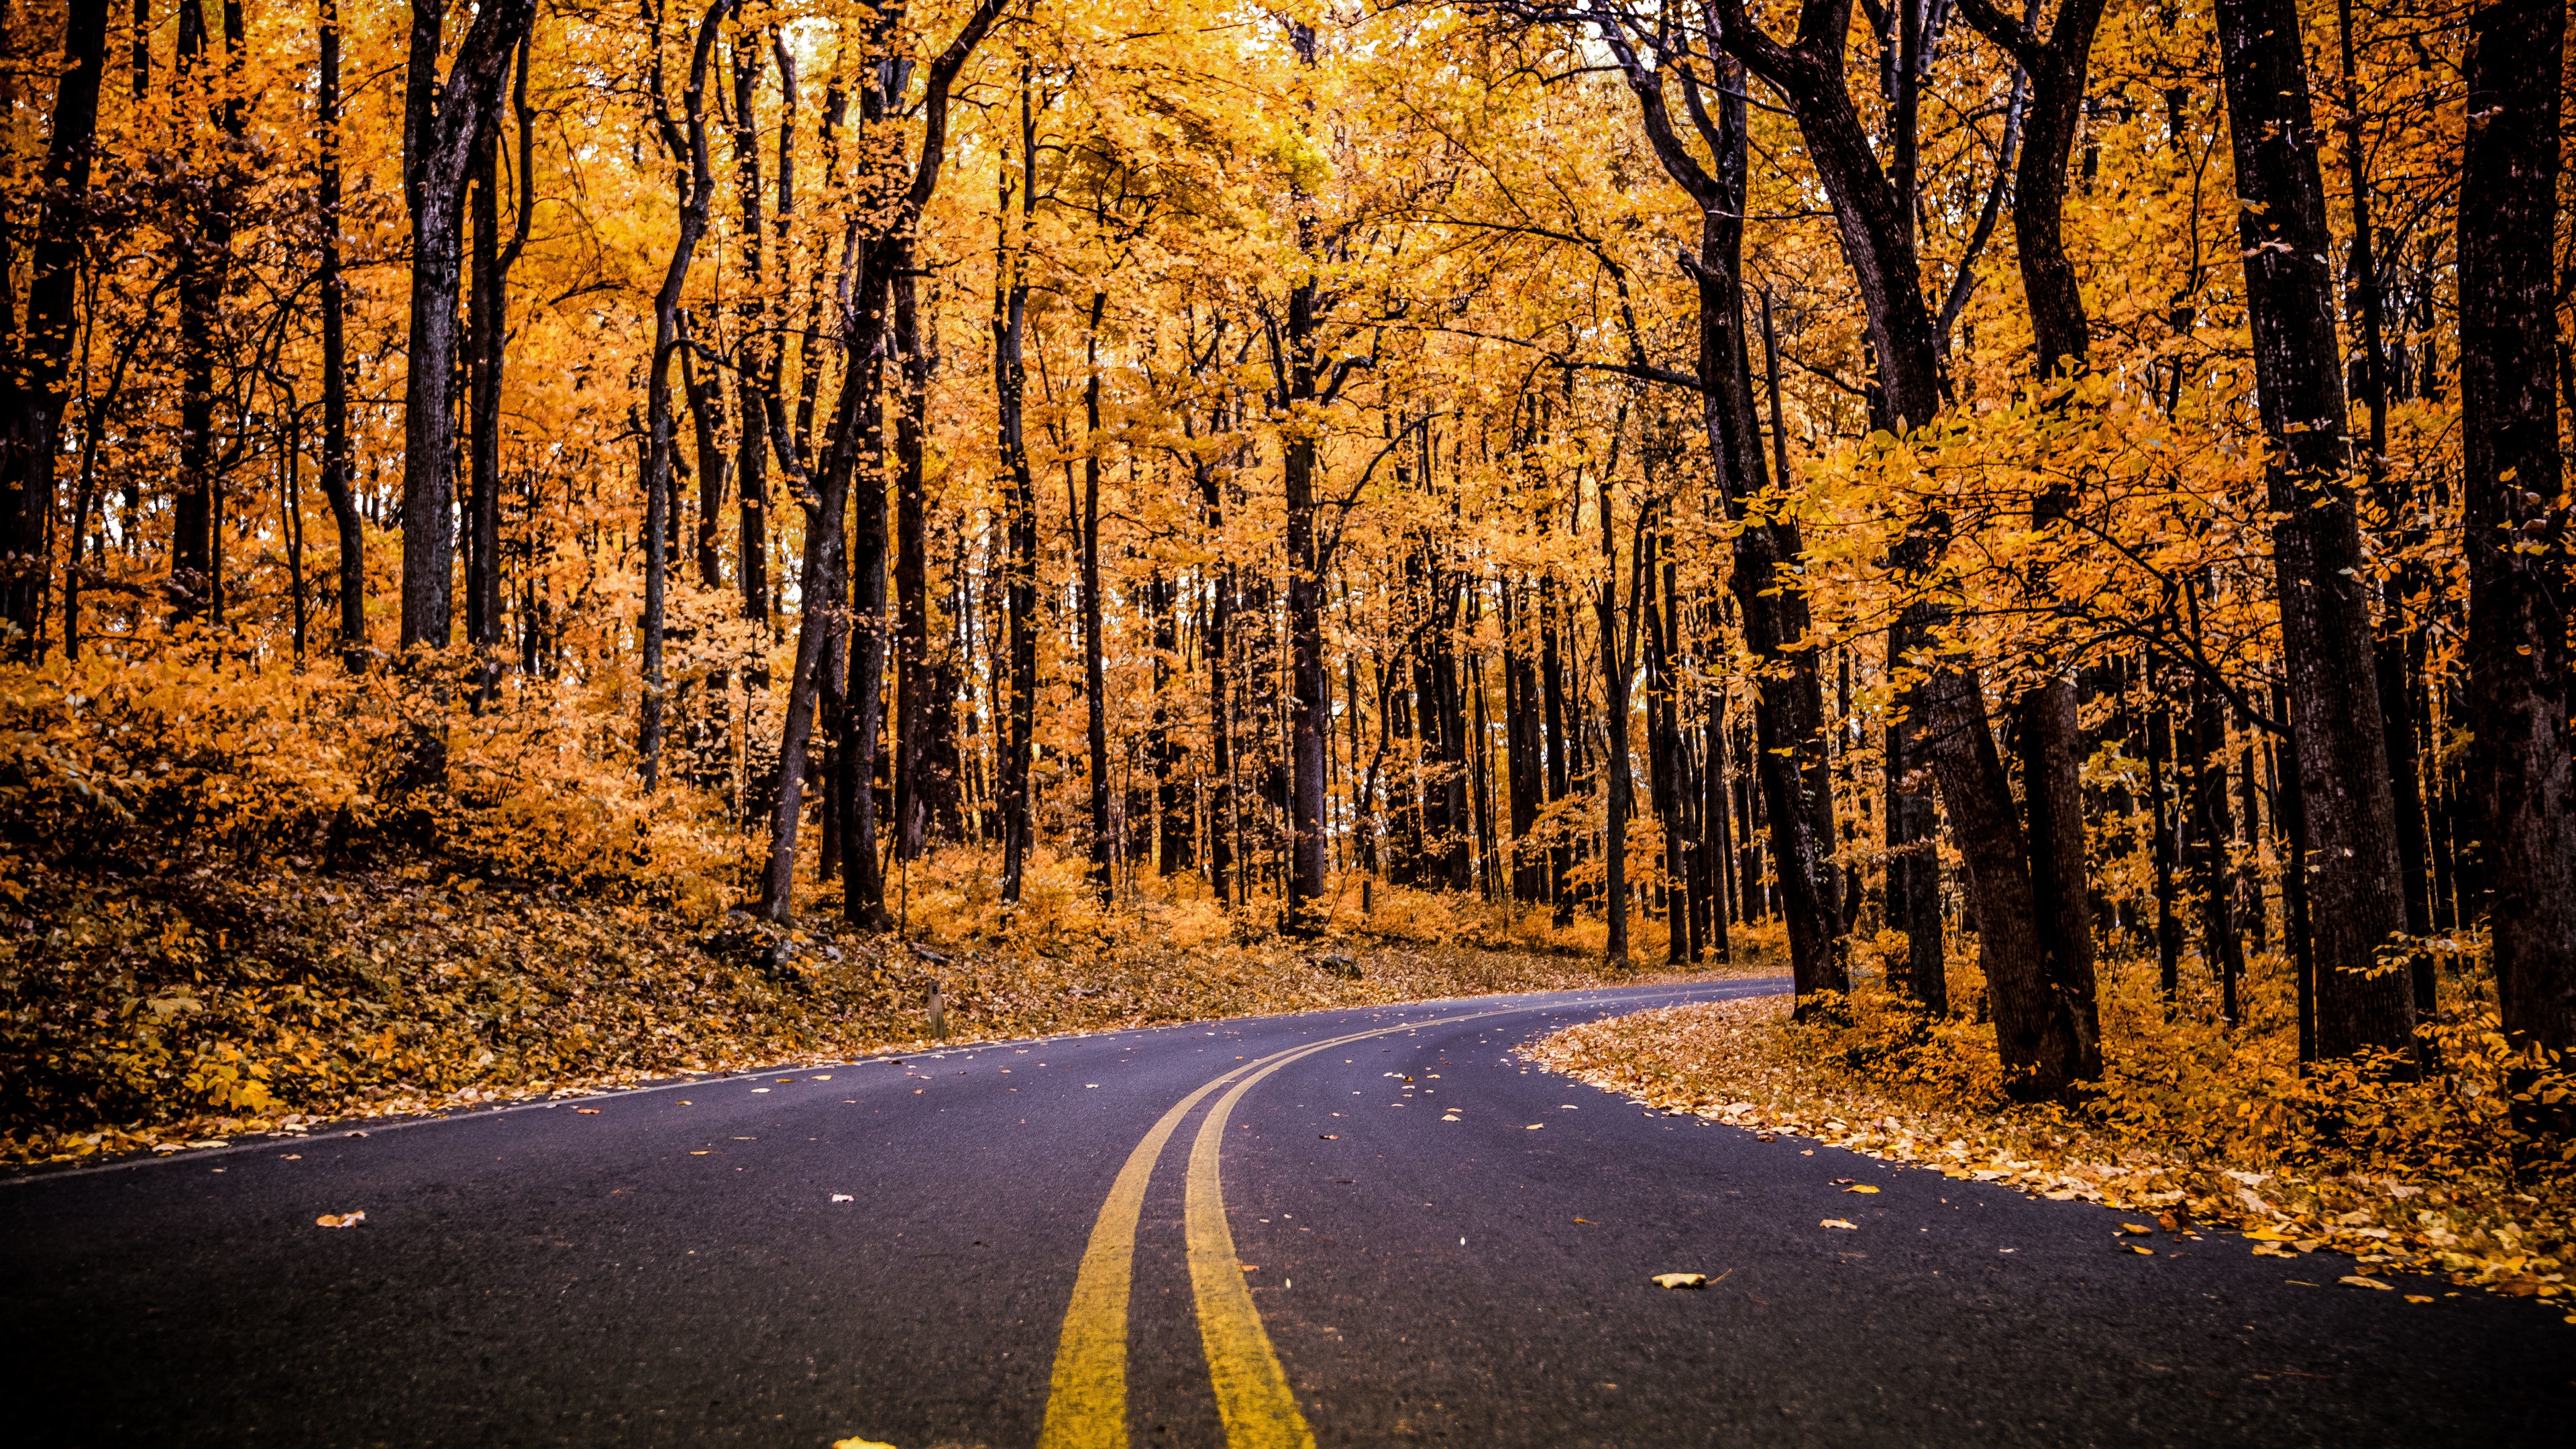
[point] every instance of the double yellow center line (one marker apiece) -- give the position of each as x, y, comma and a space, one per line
1087, 1398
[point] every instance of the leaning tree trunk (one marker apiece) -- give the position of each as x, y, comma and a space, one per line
2319, 567
2043, 1018
2520, 688
1788, 694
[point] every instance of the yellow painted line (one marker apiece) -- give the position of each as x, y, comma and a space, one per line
1252, 1394
1087, 1396
1087, 1393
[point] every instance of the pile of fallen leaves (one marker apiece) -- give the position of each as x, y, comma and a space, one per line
196, 998
2193, 1123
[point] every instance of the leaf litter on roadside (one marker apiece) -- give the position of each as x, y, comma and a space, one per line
1740, 1063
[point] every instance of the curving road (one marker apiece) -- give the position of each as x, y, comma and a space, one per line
1252, 1233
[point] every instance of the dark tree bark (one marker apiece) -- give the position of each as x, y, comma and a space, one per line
1614, 687
35, 360
1094, 681
488, 337
2519, 685
761, 352
2318, 563
1220, 623
1174, 840
203, 267
2160, 799
1789, 695
2398, 645
335, 351
1020, 507
685, 140
2205, 845
443, 124
2043, 1009
920, 726
860, 328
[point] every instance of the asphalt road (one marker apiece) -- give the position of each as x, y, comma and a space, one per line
927, 1252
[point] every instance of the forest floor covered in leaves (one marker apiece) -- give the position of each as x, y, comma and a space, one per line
2194, 1127
166, 1002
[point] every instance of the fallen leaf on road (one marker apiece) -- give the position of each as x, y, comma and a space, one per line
685, 1102
824, 1078
1587, 1222
290, 1157
1860, 1187
1249, 1267
2135, 1248
219, 1142
1838, 1223
2361, 1281
2139, 1229
697, 1154
1764, 1137
843, 1197
756, 1091
2419, 1298
1534, 1126
1681, 1280
1328, 1136
585, 1111
856, 1443
340, 1220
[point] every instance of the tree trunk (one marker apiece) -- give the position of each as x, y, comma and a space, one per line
201, 267
685, 140
1094, 681
335, 356
921, 741
860, 336
2519, 686
443, 123
759, 353
33, 364
1020, 508
1614, 683
2318, 562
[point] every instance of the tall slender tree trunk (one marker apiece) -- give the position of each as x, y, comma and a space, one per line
202, 266
922, 736
2520, 688
2318, 562
1614, 685
1020, 506
761, 353
685, 139
443, 123
861, 330
335, 354
34, 362
1094, 680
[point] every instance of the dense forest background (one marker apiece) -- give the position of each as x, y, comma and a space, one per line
1986, 504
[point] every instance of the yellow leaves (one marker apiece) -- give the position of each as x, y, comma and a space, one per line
340, 1220
1839, 1223
1860, 1187
1680, 1280
1884, 1083
2363, 1280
